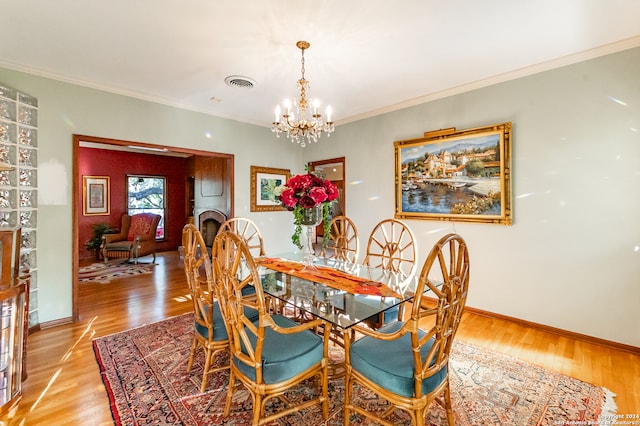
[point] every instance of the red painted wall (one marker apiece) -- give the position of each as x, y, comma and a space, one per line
117, 165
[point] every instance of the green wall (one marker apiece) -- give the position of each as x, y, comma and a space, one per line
66, 109
571, 259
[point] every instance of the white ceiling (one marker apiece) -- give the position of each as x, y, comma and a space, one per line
366, 56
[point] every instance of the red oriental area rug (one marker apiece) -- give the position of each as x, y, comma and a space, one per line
144, 372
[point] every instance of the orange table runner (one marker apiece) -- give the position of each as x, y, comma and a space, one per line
331, 277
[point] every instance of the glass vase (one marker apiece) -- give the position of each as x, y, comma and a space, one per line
311, 218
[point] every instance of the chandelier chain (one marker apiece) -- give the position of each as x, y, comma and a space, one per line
303, 86
302, 66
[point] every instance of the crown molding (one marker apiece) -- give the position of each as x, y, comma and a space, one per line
575, 58
607, 49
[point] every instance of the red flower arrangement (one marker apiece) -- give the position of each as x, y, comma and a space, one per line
306, 191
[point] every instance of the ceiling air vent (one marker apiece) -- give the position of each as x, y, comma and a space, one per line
239, 81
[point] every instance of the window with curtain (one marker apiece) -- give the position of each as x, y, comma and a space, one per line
147, 194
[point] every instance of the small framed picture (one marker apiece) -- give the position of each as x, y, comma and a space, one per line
264, 181
96, 196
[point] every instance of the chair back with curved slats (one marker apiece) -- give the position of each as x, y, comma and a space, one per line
248, 230
406, 362
197, 264
392, 246
269, 354
210, 331
343, 244
446, 274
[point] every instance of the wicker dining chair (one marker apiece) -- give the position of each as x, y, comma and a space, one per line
343, 244
392, 247
403, 363
250, 234
248, 230
210, 332
270, 354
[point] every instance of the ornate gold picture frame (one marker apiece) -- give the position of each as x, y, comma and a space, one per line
455, 176
263, 181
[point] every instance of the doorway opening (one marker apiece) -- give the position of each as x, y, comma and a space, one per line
332, 169
207, 184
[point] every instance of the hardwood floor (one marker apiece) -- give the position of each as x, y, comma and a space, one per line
64, 386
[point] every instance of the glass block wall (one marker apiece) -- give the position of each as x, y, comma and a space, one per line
18, 184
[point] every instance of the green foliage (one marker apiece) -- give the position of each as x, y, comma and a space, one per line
475, 168
146, 192
297, 221
98, 230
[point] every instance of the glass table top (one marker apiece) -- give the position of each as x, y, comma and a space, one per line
339, 307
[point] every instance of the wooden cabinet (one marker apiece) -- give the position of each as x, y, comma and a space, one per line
213, 185
14, 302
12, 306
190, 198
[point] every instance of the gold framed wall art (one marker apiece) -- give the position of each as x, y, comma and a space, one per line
451, 175
264, 180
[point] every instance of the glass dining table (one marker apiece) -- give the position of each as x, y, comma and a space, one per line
341, 293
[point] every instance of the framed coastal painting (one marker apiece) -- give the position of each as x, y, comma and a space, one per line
264, 180
452, 175
96, 197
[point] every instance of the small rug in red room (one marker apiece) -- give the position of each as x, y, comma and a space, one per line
103, 273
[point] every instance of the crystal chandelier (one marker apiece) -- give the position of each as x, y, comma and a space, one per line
305, 129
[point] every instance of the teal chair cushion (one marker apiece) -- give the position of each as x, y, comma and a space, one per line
389, 363
248, 290
285, 355
390, 315
219, 330
367, 304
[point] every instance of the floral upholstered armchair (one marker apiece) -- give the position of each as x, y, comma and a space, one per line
137, 238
